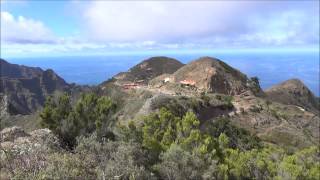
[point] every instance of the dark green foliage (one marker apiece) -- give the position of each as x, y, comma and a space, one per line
177, 106
165, 145
180, 164
226, 99
159, 130
91, 113
239, 137
255, 79
256, 109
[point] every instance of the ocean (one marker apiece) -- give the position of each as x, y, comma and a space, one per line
270, 68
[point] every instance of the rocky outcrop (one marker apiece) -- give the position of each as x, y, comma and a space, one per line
294, 92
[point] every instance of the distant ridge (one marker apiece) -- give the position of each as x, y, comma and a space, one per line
23, 89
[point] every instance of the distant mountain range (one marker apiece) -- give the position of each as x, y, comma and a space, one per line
207, 86
24, 89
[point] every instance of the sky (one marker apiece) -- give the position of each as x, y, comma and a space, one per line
83, 27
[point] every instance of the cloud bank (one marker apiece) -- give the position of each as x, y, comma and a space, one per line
222, 23
166, 25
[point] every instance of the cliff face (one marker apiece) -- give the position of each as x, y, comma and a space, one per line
294, 92
23, 89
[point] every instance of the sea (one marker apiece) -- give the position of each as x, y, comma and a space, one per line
270, 68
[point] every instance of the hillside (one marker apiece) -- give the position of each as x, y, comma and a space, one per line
210, 75
23, 89
212, 89
159, 120
148, 69
294, 92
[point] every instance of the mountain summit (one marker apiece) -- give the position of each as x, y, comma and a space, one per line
212, 75
149, 69
294, 92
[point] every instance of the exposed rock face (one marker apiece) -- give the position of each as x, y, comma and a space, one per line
24, 89
294, 92
149, 69
212, 75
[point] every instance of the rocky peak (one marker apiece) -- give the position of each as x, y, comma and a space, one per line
294, 92
212, 75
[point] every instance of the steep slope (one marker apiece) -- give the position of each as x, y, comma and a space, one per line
212, 75
294, 92
149, 69
24, 89
18, 71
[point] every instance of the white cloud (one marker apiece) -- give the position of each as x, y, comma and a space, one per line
23, 30
110, 26
213, 23
156, 20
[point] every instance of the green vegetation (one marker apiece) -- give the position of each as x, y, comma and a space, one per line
91, 113
164, 145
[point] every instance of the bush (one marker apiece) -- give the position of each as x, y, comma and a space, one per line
239, 137
179, 164
91, 113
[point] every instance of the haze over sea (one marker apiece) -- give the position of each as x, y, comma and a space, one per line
270, 68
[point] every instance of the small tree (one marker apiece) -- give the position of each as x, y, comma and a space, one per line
90, 114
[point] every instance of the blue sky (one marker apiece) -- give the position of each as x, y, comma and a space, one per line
50, 28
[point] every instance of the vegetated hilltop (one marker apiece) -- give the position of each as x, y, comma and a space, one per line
294, 92
149, 69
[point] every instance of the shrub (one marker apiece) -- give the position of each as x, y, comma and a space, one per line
179, 164
239, 137
91, 113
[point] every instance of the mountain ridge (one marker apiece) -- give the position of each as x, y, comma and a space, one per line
24, 89
207, 86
